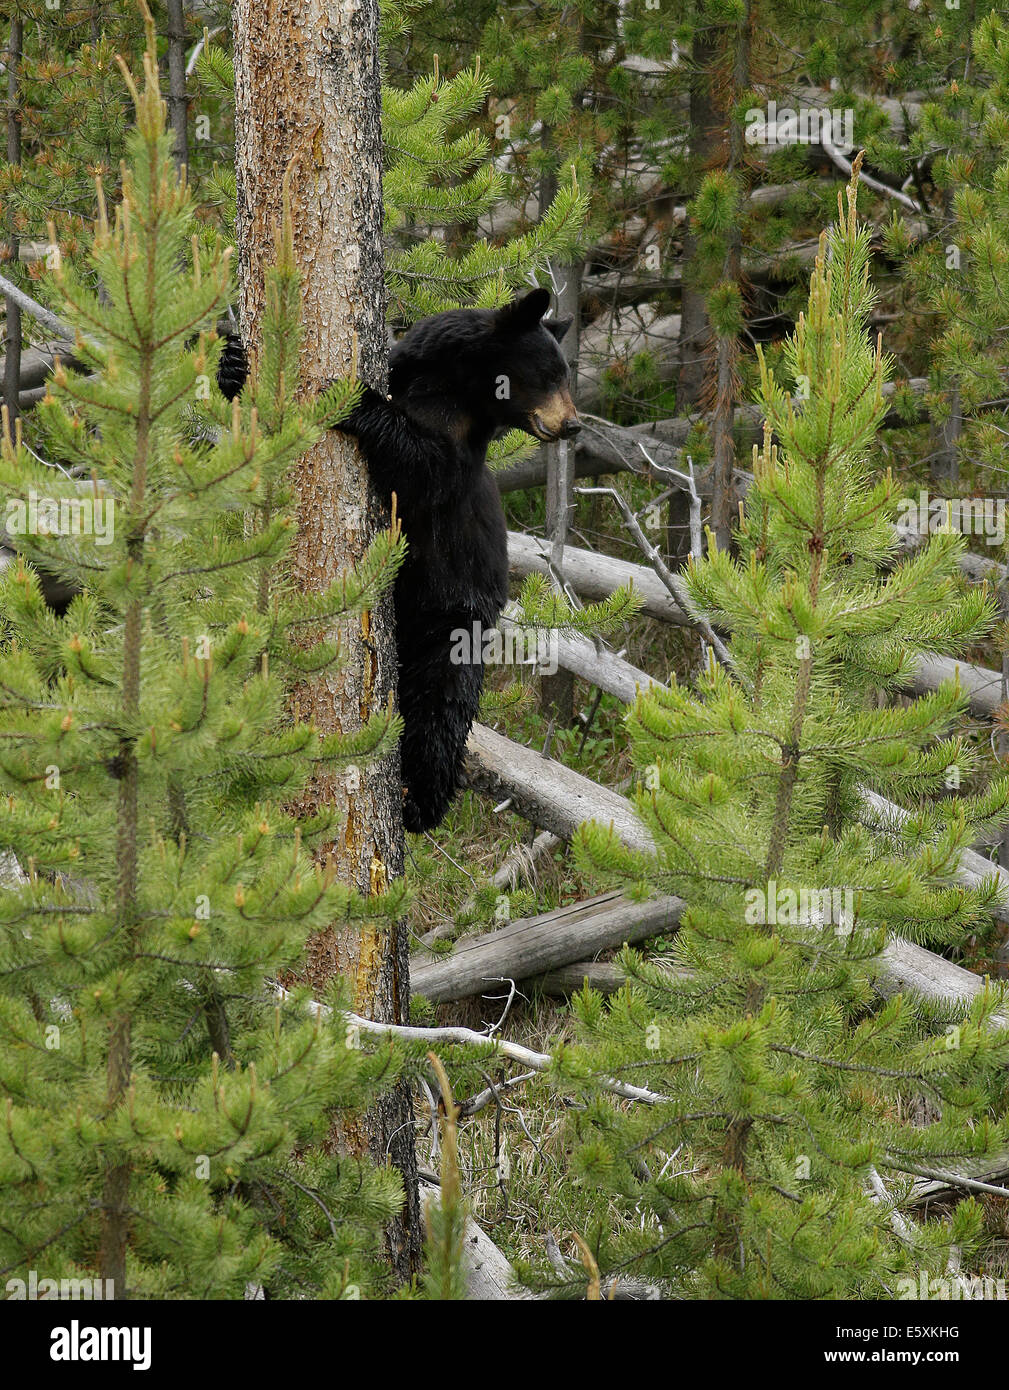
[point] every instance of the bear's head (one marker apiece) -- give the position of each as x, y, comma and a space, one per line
532, 385
490, 370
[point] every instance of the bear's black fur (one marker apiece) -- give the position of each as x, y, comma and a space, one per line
456, 380
232, 365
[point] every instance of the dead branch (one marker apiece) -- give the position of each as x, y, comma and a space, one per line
673, 582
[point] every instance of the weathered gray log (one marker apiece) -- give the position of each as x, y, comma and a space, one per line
972, 868
601, 975
547, 793
489, 1276
618, 335
542, 790
608, 448
49, 321
976, 568
979, 569
597, 576
595, 456
992, 1169
618, 677
622, 287
907, 968
37, 363
591, 661
772, 195
983, 687
618, 450
533, 945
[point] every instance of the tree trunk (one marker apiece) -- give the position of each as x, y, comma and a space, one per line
723, 499
308, 100
177, 101
695, 330
12, 362
704, 144
944, 468
557, 692
944, 464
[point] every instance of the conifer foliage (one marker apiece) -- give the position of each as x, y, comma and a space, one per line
961, 273
795, 1096
159, 1095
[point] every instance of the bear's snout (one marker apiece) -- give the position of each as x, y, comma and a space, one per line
556, 417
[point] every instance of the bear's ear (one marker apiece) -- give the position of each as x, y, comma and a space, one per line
525, 313
558, 327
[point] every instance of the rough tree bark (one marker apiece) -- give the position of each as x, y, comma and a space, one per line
695, 330
308, 99
723, 501
557, 692
12, 364
177, 100
694, 327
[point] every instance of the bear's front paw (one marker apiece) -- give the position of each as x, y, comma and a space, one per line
353, 422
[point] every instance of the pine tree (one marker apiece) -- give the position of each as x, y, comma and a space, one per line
785, 1085
161, 1097
959, 275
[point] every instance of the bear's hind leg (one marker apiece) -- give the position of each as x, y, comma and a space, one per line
438, 699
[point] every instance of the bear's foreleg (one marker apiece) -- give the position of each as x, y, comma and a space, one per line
402, 456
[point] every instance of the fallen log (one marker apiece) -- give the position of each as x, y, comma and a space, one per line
545, 792
601, 975
604, 976
977, 568
489, 1276
910, 969
618, 677
609, 448
592, 662
973, 867
534, 945
994, 1169
38, 363
983, 687
51, 322
596, 577
542, 790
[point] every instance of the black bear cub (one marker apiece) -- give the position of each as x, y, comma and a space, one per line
456, 380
